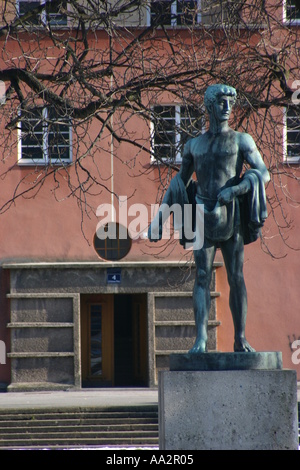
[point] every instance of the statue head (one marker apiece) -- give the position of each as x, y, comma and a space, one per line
214, 91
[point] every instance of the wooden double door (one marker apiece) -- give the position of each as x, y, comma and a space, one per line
114, 343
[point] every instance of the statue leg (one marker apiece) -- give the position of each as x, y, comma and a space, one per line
233, 254
201, 297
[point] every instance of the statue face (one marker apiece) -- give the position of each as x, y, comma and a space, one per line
222, 107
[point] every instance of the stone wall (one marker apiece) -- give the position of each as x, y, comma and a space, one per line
45, 316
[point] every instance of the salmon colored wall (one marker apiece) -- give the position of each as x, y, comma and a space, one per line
51, 226
44, 229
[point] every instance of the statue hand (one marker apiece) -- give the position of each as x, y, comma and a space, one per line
226, 196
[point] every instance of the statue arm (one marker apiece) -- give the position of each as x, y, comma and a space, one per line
252, 156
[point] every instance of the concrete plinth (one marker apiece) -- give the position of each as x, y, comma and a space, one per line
228, 410
227, 361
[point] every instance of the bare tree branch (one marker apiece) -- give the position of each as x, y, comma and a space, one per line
97, 67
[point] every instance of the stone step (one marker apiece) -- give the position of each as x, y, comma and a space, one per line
63, 428
73, 416
299, 422
4, 425
137, 426
78, 442
79, 433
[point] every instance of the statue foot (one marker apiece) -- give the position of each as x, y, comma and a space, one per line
199, 347
242, 345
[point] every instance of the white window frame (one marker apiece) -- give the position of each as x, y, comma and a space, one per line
286, 157
45, 159
43, 14
285, 17
178, 156
173, 12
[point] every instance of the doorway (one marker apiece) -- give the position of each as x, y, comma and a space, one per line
114, 340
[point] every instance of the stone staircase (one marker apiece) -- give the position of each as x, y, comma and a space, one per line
299, 422
74, 428
64, 428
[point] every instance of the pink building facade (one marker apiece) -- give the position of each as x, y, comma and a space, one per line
71, 318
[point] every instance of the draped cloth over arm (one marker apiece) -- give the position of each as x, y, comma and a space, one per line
253, 207
250, 213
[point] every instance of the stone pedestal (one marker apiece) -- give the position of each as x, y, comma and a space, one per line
228, 408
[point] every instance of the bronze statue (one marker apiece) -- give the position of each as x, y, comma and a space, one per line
234, 208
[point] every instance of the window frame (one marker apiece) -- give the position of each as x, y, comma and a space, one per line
46, 159
173, 22
286, 158
44, 20
113, 249
177, 137
286, 18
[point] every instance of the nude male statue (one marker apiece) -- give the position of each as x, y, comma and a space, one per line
217, 157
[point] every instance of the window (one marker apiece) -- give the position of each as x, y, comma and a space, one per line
26, 7
44, 138
292, 11
175, 13
292, 136
112, 241
53, 13
170, 129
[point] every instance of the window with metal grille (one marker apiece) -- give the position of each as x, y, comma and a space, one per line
112, 242
175, 12
45, 137
292, 154
171, 127
53, 13
292, 11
